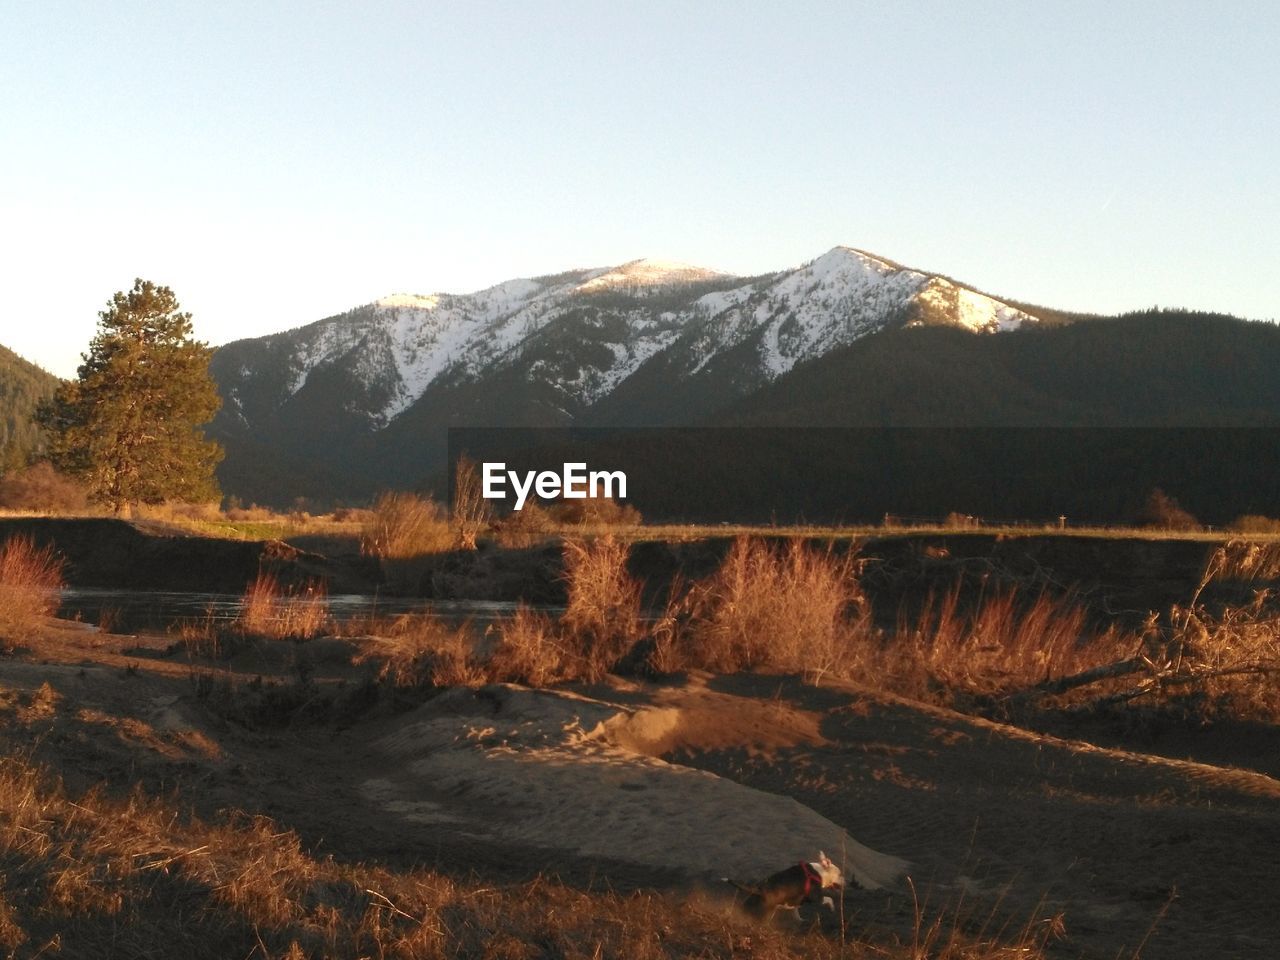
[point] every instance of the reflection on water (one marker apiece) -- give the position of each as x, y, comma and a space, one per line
132, 610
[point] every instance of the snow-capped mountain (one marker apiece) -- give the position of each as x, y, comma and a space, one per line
583, 334
362, 401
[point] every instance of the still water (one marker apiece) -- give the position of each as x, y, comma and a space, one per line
134, 610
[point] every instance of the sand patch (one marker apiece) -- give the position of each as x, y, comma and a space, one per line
557, 770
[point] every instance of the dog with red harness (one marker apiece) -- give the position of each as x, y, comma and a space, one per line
806, 882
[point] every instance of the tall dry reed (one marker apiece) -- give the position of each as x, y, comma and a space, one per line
30, 585
602, 619
429, 652
1001, 642
276, 612
785, 606
405, 525
529, 650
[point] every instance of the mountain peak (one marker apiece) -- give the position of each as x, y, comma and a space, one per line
841, 257
417, 301
649, 272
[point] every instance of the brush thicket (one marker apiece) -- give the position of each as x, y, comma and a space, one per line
30, 586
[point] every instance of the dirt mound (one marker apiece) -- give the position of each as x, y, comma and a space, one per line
551, 769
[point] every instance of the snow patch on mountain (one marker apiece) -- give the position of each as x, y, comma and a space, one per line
417, 300
970, 309
639, 274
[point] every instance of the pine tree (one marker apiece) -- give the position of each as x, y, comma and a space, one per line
130, 424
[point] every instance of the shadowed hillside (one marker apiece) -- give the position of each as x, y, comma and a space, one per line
23, 386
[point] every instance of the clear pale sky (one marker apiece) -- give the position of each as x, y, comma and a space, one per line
276, 163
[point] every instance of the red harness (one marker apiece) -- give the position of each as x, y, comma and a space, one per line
811, 877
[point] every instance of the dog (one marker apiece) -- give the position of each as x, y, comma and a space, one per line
806, 882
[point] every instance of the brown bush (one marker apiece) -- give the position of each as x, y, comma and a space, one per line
1219, 663
351, 515
1254, 523
527, 527
528, 650
253, 514
783, 606
276, 612
1162, 510
405, 525
595, 512
40, 487
1244, 560
471, 512
1004, 642
602, 618
431, 653
30, 586
178, 510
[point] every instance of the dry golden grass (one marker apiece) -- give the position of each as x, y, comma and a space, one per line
276, 612
1222, 664
200, 636
402, 531
429, 652
405, 525
1245, 561
529, 650
525, 528
30, 586
784, 606
1002, 643
602, 619
471, 513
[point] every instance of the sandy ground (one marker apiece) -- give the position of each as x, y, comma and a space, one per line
671, 786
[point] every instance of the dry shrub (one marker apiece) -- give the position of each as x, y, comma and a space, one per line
602, 619
1004, 642
595, 512
1162, 510
784, 606
405, 525
431, 653
1227, 662
471, 512
1254, 523
351, 515
402, 530
40, 487
252, 514
1244, 560
172, 510
200, 636
601, 622
30, 585
277, 612
528, 650
670, 650
525, 528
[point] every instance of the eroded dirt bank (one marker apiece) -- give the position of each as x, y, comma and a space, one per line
1124, 576
141, 555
